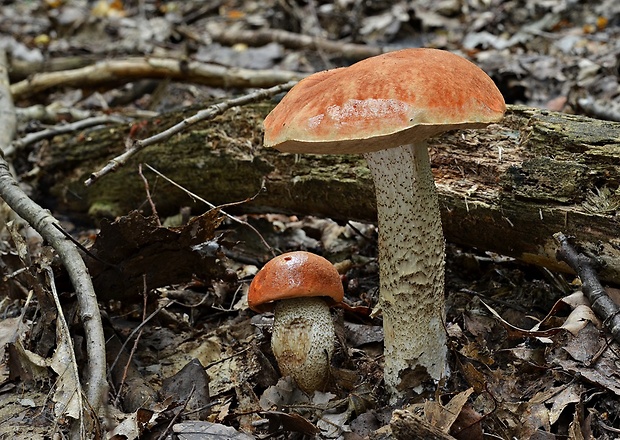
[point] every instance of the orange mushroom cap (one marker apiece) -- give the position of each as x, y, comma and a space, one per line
294, 275
393, 99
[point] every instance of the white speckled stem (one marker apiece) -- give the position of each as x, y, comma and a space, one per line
411, 260
303, 341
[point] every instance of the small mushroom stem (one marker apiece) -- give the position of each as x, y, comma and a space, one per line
411, 262
303, 341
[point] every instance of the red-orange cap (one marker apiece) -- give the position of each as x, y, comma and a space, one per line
393, 99
294, 275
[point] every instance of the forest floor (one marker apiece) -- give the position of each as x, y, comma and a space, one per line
190, 360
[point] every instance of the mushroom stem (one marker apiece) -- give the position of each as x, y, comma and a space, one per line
303, 341
411, 261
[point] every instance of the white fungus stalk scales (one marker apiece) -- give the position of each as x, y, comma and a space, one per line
411, 253
303, 341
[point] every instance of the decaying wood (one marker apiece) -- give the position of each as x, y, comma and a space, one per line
185, 125
505, 189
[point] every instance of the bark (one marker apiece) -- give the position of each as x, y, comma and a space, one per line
505, 189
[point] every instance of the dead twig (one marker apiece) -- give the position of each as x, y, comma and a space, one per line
43, 223
145, 296
136, 331
584, 267
219, 208
292, 40
21, 69
168, 429
147, 188
202, 115
8, 118
59, 129
115, 72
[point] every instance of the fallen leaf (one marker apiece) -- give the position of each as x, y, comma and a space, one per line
443, 416
200, 430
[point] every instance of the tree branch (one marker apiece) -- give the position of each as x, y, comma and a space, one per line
113, 72
592, 288
44, 224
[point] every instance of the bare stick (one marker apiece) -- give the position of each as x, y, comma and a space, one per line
212, 206
8, 118
59, 129
147, 188
145, 296
44, 223
202, 115
135, 331
114, 72
296, 41
592, 288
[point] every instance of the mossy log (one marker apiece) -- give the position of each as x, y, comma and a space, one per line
506, 189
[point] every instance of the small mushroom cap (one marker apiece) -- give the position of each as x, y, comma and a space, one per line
393, 99
294, 275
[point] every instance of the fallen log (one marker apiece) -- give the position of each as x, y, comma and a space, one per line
506, 189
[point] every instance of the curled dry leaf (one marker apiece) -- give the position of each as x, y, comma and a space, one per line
443, 416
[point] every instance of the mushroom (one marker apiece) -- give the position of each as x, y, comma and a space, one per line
301, 285
385, 107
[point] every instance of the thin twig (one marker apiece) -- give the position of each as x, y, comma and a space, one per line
202, 115
59, 129
148, 195
81, 246
219, 208
134, 332
164, 434
296, 41
145, 296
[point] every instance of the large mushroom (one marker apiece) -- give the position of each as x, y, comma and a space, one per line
385, 107
301, 286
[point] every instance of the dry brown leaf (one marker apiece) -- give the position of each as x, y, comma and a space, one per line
569, 395
444, 416
589, 355
67, 392
205, 430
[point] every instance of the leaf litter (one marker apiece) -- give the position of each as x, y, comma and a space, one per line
529, 360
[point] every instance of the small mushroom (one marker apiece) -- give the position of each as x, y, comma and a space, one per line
385, 107
300, 286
